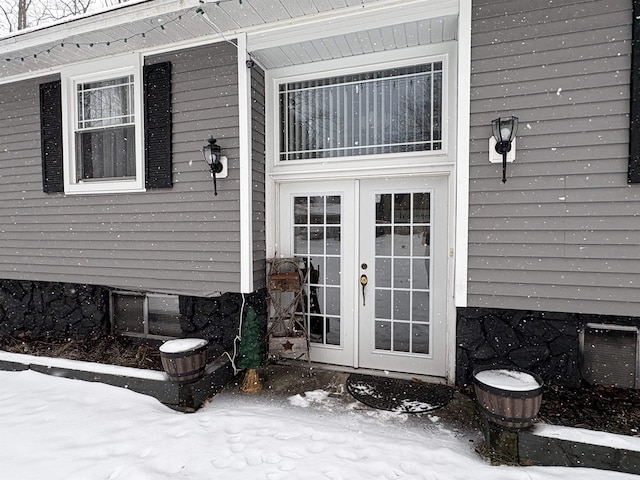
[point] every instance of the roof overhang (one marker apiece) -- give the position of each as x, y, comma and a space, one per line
279, 32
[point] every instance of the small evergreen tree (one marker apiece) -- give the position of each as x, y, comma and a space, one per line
251, 352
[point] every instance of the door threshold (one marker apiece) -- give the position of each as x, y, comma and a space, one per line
362, 371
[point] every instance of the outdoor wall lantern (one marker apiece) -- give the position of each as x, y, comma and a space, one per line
503, 142
217, 162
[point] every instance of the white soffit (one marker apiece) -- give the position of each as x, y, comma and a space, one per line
279, 32
392, 37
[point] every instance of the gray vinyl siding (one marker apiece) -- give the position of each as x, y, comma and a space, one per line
258, 184
178, 240
563, 233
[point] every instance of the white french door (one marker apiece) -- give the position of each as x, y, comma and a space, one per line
376, 251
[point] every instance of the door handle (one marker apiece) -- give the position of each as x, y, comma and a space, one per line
363, 281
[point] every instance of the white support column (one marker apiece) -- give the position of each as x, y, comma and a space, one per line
462, 162
246, 204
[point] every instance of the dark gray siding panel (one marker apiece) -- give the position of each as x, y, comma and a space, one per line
258, 194
562, 234
180, 240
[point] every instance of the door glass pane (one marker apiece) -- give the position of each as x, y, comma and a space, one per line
420, 306
318, 225
402, 207
421, 211
402, 272
402, 241
333, 240
383, 336
300, 240
383, 272
383, 208
420, 273
421, 240
333, 301
332, 333
383, 303
333, 209
401, 337
300, 210
316, 239
333, 271
316, 210
383, 240
420, 338
401, 304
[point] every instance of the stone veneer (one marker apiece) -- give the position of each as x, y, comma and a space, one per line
53, 310
217, 319
60, 311
546, 343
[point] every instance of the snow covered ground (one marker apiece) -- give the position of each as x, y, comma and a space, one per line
54, 428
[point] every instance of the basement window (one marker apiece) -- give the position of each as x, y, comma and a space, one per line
611, 355
145, 315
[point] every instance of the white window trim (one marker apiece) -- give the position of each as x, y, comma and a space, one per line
103, 69
443, 52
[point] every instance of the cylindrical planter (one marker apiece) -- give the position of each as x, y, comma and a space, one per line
508, 397
184, 359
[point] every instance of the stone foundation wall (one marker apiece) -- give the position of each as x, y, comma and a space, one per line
61, 311
546, 343
53, 310
218, 319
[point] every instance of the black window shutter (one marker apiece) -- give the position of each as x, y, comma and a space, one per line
51, 136
157, 125
634, 134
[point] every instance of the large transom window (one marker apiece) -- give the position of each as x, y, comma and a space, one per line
389, 111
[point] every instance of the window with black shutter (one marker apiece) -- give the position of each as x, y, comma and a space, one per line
113, 125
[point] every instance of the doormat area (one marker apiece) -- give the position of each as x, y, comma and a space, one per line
397, 395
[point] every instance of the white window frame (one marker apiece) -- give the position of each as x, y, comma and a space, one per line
94, 71
286, 90
442, 52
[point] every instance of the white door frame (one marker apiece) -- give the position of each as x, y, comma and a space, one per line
439, 163
440, 172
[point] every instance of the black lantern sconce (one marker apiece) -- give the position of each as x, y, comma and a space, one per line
217, 162
503, 142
